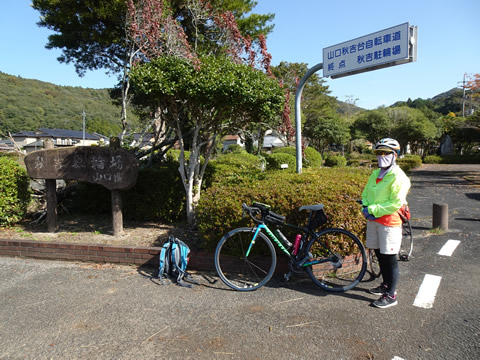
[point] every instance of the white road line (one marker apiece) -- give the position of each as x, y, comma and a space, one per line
449, 248
428, 290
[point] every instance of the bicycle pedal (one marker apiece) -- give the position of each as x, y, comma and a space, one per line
337, 265
404, 257
287, 276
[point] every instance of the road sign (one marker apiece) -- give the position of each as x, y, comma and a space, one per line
393, 46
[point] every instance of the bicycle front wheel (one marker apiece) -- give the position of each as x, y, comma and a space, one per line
337, 260
407, 242
242, 271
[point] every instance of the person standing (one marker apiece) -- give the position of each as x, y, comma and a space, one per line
383, 196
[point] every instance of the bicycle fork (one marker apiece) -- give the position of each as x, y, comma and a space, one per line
271, 236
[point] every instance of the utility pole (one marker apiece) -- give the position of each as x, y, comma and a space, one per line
463, 99
83, 116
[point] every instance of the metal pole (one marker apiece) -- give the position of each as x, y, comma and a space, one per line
83, 115
298, 114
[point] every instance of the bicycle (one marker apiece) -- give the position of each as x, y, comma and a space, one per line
245, 258
407, 239
406, 248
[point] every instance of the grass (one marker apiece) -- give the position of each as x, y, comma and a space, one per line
437, 231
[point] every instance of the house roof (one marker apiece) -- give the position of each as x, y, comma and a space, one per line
56, 133
230, 137
272, 141
62, 133
25, 133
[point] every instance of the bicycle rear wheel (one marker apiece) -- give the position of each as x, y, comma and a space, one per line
407, 242
342, 260
242, 272
373, 262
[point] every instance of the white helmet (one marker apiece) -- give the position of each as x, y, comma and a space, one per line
387, 144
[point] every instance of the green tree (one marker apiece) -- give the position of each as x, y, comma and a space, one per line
94, 35
324, 131
214, 98
411, 126
317, 107
101, 126
372, 125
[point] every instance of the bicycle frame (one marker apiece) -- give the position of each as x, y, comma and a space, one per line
303, 263
272, 237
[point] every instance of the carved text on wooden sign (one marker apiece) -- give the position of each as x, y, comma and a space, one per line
116, 169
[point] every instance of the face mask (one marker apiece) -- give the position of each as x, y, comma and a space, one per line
385, 161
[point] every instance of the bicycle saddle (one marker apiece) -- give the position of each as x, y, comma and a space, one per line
312, 207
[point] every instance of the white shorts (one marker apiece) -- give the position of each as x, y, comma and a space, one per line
386, 238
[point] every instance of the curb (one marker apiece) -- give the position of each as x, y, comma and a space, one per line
139, 256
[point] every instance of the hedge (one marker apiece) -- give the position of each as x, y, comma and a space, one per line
14, 191
409, 162
220, 207
335, 161
234, 167
157, 195
276, 160
311, 157
452, 159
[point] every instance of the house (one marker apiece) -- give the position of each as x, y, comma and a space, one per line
232, 140
271, 140
6, 145
142, 141
33, 140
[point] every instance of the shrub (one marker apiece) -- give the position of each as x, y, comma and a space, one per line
311, 157
335, 161
357, 156
14, 191
234, 148
409, 162
219, 209
291, 150
158, 194
432, 159
233, 168
452, 159
275, 160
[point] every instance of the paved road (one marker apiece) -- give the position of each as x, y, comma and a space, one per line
59, 310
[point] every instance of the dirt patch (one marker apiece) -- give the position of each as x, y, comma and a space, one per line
88, 229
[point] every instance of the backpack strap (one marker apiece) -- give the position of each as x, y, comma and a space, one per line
180, 252
163, 260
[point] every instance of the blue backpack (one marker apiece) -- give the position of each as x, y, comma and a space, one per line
173, 261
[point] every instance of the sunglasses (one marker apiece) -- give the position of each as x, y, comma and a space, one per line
383, 153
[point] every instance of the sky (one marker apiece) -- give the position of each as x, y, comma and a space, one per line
448, 45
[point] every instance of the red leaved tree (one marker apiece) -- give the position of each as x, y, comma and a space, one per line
202, 106
473, 84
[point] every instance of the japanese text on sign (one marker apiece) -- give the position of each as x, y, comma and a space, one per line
379, 48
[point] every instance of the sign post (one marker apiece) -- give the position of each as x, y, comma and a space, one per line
389, 47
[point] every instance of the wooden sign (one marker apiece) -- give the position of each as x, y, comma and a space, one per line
116, 169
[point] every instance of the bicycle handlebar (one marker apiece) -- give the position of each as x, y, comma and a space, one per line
260, 213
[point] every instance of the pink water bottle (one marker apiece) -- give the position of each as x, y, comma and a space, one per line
296, 244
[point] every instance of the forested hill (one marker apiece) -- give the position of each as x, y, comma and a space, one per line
444, 103
32, 104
